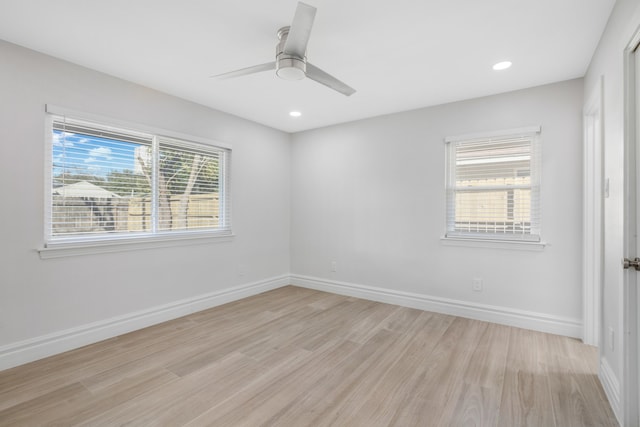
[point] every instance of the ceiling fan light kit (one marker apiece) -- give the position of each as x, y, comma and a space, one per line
291, 50
289, 67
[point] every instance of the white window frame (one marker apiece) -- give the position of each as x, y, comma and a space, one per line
62, 247
532, 241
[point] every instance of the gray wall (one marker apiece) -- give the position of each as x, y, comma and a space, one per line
370, 196
40, 297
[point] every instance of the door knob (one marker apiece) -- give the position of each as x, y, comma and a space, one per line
627, 263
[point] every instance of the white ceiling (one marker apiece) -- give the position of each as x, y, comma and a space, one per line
399, 55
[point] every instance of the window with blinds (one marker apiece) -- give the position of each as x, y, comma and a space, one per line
109, 183
493, 186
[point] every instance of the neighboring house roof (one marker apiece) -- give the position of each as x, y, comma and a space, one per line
84, 189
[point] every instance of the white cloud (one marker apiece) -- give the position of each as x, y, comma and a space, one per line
97, 154
60, 139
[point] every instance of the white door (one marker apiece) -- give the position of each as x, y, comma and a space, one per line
634, 282
635, 306
631, 319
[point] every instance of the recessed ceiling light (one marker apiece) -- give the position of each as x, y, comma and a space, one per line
295, 114
502, 65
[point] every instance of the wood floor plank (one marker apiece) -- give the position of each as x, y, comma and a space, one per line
331, 395
375, 399
179, 399
571, 387
332, 323
67, 368
68, 413
479, 402
300, 357
271, 392
400, 384
442, 382
525, 395
400, 318
42, 405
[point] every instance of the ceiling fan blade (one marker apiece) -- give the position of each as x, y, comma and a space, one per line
249, 70
315, 73
300, 30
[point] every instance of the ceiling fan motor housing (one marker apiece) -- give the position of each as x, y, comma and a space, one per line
288, 67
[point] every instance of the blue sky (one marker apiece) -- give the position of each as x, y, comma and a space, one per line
82, 154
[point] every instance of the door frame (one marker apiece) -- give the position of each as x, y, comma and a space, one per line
630, 388
592, 255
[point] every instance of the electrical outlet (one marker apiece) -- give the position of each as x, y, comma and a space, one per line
476, 285
334, 266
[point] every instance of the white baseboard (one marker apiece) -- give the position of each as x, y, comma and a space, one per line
47, 345
502, 315
611, 387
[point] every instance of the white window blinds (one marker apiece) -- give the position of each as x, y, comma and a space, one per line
108, 182
191, 186
493, 187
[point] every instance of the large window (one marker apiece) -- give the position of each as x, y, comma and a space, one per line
113, 183
493, 186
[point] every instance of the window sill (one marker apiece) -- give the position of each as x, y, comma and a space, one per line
494, 244
60, 249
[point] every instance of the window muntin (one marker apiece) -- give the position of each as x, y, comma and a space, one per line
493, 187
109, 183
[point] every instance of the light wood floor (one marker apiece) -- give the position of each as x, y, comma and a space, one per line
297, 357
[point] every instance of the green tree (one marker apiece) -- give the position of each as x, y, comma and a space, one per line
67, 178
181, 174
127, 183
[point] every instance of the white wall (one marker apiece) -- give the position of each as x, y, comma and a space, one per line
42, 297
607, 63
369, 195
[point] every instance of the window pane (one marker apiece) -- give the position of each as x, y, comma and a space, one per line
496, 160
99, 185
110, 182
188, 189
493, 189
496, 211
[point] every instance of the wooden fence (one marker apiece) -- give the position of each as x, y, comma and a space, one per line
128, 214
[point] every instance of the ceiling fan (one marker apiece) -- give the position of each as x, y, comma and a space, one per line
291, 60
